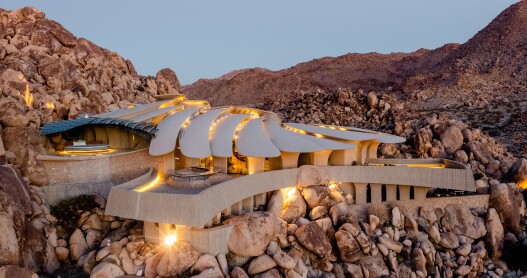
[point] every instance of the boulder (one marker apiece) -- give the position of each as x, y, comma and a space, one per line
9, 249
318, 212
252, 232
391, 244
309, 175
452, 139
353, 270
282, 259
518, 171
260, 264
238, 272
449, 240
105, 270
312, 237
287, 203
62, 253
272, 273
349, 248
78, 245
506, 200
374, 265
495, 237
176, 259
208, 263
167, 82
9, 271
372, 99
460, 220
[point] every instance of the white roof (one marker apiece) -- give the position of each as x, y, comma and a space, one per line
194, 139
385, 137
128, 113
156, 113
222, 134
168, 131
252, 141
289, 141
328, 144
335, 133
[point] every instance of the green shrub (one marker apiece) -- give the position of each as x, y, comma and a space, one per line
68, 212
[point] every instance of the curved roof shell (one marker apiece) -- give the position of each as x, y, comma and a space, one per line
202, 131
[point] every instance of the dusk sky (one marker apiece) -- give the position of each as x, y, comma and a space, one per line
206, 39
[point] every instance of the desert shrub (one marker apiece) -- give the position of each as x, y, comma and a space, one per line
380, 210
68, 212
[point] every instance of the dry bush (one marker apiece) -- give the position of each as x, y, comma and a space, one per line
380, 210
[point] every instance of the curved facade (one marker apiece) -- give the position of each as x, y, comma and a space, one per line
252, 153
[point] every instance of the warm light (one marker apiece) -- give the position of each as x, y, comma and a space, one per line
28, 97
50, 105
170, 239
149, 185
425, 165
319, 135
86, 152
291, 192
131, 106
523, 183
332, 185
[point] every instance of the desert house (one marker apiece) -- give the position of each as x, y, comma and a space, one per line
182, 166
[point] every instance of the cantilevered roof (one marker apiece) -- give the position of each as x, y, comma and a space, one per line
221, 136
201, 131
252, 141
348, 134
130, 113
144, 129
154, 114
194, 139
168, 131
289, 141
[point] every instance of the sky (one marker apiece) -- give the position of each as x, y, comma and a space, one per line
209, 38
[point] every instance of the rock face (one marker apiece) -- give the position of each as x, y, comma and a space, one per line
287, 204
176, 259
252, 232
47, 74
506, 200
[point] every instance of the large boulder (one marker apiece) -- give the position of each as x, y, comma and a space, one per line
375, 265
167, 82
105, 270
26, 143
252, 232
9, 271
518, 172
506, 200
309, 175
176, 259
312, 237
78, 245
495, 237
9, 249
460, 220
452, 139
260, 264
349, 248
287, 203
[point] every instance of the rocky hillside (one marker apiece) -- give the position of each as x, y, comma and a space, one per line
482, 82
47, 74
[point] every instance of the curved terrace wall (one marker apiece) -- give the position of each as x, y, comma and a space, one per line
116, 168
198, 209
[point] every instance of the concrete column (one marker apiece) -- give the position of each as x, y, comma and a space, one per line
150, 232
391, 192
376, 193
255, 165
260, 199
275, 163
169, 163
237, 208
364, 151
217, 218
360, 193
372, 149
248, 204
189, 161
343, 157
404, 192
220, 163
321, 158
420, 192
289, 160
227, 211
348, 188
359, 145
